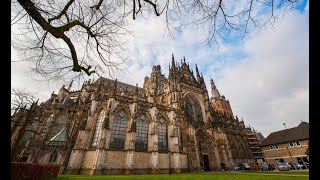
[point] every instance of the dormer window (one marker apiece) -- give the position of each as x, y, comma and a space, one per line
292, 144
273, 146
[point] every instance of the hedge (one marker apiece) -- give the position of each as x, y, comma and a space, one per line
32, 171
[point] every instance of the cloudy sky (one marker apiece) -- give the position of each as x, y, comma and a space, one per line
265, 77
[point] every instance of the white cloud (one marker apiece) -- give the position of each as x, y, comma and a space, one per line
271, 86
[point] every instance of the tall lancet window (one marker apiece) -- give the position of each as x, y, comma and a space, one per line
141, 141
98, 131
180, 138
162, 136
118, 131
46, 128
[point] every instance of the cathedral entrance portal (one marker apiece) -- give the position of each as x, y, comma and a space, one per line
206, 163
206, 150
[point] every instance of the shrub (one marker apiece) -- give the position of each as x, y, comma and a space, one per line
32, 171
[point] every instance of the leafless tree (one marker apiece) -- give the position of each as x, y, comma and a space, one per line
21, 99
85, 36
21, 122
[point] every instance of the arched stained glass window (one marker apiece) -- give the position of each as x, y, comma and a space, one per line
98, 131
162, 136
141, 141
118, 131
192, 109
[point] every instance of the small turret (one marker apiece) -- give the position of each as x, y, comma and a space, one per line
214, 91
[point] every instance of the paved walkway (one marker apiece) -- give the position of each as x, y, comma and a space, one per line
277, 174
261, 173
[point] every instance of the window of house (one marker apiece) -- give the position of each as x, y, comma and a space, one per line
291, 144
141, 141
162, 136
53, 157
298, 143
118, 131
98, 130
273, 146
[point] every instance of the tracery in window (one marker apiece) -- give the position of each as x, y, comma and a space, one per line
141, 140
118, 131
98, 131
162, 136
192, 109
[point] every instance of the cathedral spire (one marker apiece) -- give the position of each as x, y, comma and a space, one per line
173, 63
214, 90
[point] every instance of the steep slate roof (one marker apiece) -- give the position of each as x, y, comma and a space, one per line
129, 87
293, 134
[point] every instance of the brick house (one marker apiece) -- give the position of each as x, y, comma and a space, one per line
289, 145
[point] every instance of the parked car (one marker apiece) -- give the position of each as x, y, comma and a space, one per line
236, 167
282, 166
271, 167
293, 165
264, 167
289, 165
244, 166
300, 166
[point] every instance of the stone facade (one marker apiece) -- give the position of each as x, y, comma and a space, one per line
113, 127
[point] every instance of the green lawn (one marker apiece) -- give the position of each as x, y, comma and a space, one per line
193, 176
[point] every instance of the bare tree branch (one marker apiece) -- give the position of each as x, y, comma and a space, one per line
74, 36
63, 12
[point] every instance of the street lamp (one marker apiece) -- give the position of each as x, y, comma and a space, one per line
284, 124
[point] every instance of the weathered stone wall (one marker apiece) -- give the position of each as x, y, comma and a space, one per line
141, 160
163, 161
115, 160
183, 161
88, 159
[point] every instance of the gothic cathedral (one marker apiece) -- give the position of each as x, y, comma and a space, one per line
110, 127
